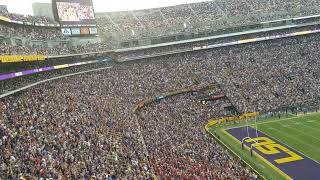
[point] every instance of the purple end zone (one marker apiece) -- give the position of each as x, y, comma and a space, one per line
306, 168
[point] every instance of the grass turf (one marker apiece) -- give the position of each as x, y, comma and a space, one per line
299, 132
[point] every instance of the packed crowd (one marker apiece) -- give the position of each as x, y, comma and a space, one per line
15, 83
25, 18
61, 49
84, 126
200, 17
189, 46
190, 152
271, 75
64, 49
95, 126
31, 32
141, 24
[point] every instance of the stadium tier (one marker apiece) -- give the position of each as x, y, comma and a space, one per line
199, 17
17, 18
41, 35
240, 105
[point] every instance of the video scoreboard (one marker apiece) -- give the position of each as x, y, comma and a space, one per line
76, 17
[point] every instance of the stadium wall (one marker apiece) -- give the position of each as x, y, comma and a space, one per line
76, 41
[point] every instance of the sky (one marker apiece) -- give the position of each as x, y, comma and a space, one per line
25, 6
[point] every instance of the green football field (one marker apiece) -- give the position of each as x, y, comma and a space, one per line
301, 133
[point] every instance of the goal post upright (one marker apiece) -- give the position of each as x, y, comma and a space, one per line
256, 124
247, 135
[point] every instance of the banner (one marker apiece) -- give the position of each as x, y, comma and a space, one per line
248, 40
231, 118
93, 30
45, 69
66, 31
84, 30
61, 66
75, 31
2, 18
22, 58
302, 33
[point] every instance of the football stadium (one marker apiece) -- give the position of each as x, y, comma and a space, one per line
193, 89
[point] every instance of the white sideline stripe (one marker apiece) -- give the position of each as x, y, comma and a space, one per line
51, 79
290, 146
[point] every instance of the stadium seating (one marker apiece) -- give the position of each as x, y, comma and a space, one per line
33, 39
199, 17
23, 18
84, 126
168, 140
